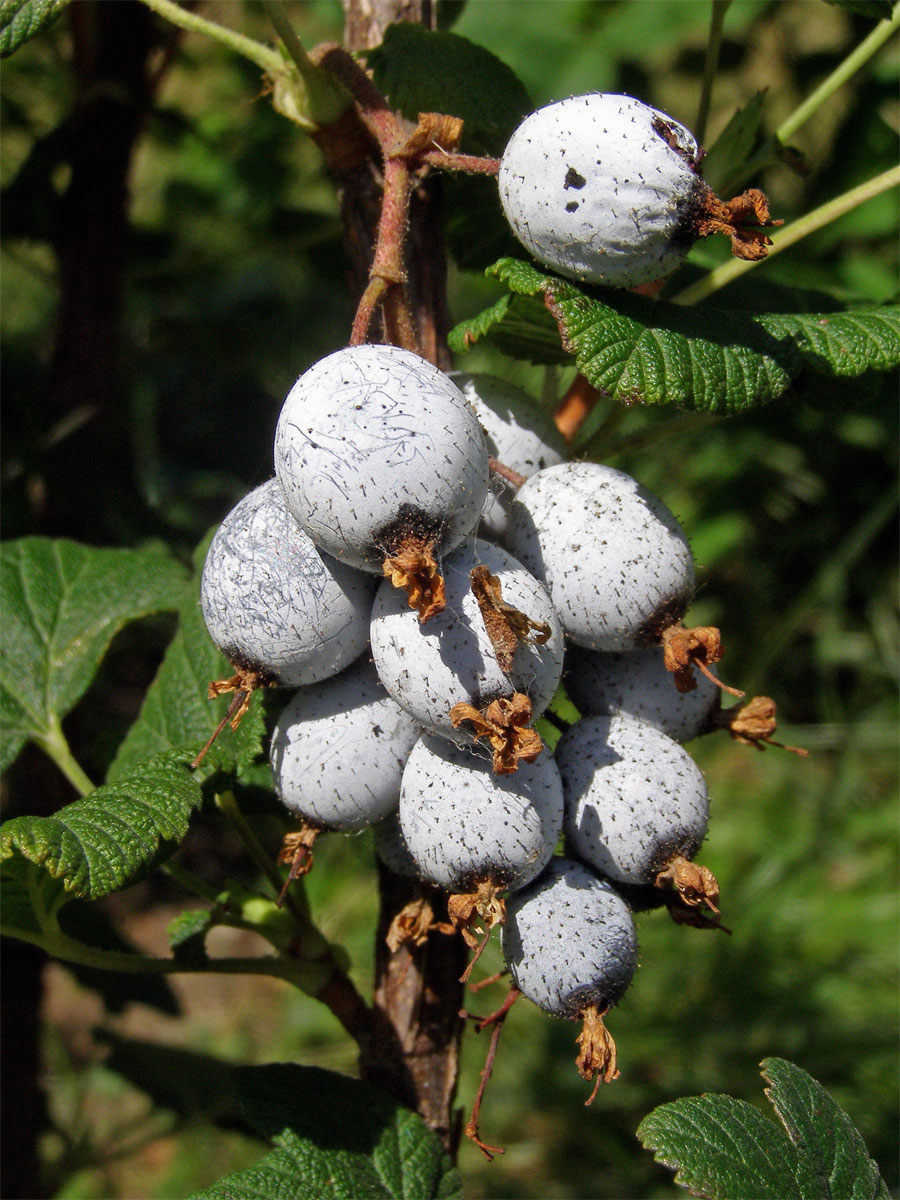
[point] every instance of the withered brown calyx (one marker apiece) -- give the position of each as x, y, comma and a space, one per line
505, 724
505, 625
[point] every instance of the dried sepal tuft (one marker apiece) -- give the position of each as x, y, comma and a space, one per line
505, 625
297, 849
753, 724
744, 219
695, 884
685, 650
413, 568
413, 923
596, 1057
504, 723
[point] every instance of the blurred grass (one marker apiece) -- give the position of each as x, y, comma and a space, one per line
236, 285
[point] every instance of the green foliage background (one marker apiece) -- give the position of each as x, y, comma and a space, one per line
236, 284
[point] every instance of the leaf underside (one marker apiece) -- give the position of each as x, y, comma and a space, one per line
62, 605
641, 351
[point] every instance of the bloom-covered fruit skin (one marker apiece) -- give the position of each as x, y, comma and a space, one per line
635, 799
603, 188
519, 433
638, 682
569, 941
338, 751
464, 825
616, 562
374, 444
273, 603
429, 669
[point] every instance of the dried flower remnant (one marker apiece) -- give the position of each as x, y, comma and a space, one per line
505, 725
505, 625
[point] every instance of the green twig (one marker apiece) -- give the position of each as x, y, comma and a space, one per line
54, 744
264, 57
769, 151
710, 65
783, 238
70, 950
839, 76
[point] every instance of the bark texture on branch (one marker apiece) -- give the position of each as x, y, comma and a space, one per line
414, 1049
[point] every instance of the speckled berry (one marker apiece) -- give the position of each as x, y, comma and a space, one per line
452, 660
520, 435
616, 562
569, 941
273, 603
374, 444
635, 799
637, 682
603, 188
464, 826
338, 751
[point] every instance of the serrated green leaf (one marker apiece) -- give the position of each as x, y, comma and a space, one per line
114, 835
735, 143
832, 1160
641, 351
20, 20
62, 604
176, 714
335, 1138
721, 1148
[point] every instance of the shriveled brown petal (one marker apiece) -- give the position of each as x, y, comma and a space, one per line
685, 650
744, 219
414, 568
696, 885
596, 1058
505, 625
753, 724
504, 724
413, 923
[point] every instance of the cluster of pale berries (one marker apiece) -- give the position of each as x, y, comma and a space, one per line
425, 569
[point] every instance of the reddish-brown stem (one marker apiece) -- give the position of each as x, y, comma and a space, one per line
507, 473
365, 312
496, 1020
469, 164
575, 406
240, 697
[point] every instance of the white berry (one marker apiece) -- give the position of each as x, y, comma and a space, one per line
616, 562
463, 825
569, 941
373, 444
338, 751
519, 434
430, 669
603, 188
273, 603
635, 799
637, 682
